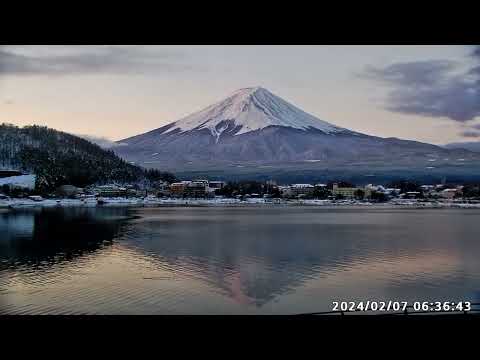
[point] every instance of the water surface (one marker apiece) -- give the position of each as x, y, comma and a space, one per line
233, 260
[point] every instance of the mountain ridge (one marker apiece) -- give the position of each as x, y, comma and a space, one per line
59, 158
248, 109
256, 129
467, 145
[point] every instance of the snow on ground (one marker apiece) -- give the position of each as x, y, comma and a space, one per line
153, 202
23, 181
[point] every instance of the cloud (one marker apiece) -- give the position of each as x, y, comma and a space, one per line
417, 74
470, 134
476, 51
471, 130
432, 88
103, 142
71, 60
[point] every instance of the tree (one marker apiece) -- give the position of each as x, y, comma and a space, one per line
229, 190
471, 191
275, 192
321, 193
405, 186
359, 194
58, 158
378, 196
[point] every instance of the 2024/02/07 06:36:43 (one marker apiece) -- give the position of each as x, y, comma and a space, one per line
388, 306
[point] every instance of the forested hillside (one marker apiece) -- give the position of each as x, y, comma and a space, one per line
58, 158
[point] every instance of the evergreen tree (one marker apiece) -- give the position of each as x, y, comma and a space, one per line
58, 158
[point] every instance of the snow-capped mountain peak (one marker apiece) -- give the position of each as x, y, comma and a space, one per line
280, 141
251, 109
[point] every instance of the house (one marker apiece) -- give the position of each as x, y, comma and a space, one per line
347, 192
301, 189
216, 185
350, 192
35, 198
110, 191
392, 191
449, 193
196, 189
411, 195
177, 189
162, 188
285, 191
377, 188
19, 182
296, 190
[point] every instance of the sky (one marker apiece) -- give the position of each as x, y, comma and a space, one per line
424, 93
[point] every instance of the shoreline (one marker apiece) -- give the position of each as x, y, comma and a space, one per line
13, 204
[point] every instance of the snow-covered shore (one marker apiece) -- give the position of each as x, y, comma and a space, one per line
157, 202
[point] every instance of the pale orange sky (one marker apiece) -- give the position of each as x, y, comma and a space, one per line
161, 84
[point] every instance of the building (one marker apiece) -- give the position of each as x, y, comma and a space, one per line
178, 189
285, 191
296, 190
392, 192
449, 193
347, 192
196, 189
216, 185
19, 182
162, 188
110, 191
204, 182
412, 194
350, 192
301, 189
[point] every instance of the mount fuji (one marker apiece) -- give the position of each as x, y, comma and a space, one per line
256, 134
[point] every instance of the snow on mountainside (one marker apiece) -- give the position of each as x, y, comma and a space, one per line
251, 109
254, 132
23, 181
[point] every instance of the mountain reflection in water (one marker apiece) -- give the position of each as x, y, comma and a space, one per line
224, 260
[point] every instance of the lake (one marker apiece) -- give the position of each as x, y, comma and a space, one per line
233, 260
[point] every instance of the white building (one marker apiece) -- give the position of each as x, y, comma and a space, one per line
301, 189
448, 193
216, 185
19, 182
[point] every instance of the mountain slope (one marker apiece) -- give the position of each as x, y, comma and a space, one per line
251, 109
58, 158
257, 130
468, 145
